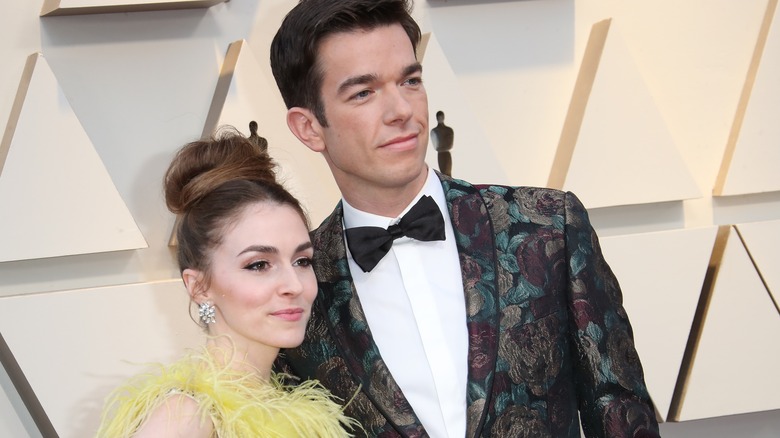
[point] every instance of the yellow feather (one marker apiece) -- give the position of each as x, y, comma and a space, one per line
238, 403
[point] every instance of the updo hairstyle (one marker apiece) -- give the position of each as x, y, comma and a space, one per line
209, 183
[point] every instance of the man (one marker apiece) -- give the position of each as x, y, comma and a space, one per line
500, 317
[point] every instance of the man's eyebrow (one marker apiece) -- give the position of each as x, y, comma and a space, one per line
370, 77
356, 80
412, 69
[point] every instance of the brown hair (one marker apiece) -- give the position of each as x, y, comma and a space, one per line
295, 46
209, 183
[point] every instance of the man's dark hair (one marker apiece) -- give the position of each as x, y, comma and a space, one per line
295, 46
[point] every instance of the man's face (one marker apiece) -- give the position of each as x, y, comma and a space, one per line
377, 112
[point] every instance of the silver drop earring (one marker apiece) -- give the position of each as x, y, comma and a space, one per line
206, 311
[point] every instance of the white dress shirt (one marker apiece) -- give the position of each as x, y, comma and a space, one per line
414, 303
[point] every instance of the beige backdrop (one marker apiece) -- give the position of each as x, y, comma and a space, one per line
643, 119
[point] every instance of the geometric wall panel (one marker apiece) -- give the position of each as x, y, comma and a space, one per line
56, 196
661, 275
473, 156
78, 7
612, 118
762, 240
10, 425
74, 347
735, 367
752, 153
10, 422
246, 91
17, 397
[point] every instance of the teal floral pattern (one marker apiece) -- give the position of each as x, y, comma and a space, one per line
548, 334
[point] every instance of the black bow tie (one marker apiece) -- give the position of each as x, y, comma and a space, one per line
369, 244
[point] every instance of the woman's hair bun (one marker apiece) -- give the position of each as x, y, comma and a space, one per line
202, 166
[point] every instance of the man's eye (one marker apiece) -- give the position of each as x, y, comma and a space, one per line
414, 81
361, 94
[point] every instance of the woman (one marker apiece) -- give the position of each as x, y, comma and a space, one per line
245, 258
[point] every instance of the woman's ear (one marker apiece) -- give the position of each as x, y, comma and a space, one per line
306, 127
193, 281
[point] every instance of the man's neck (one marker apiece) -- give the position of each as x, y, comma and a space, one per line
390, 202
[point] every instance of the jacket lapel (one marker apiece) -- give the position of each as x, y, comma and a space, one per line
347, 322
475, 241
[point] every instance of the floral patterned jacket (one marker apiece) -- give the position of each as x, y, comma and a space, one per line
548, 334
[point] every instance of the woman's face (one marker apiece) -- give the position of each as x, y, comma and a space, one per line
262, 281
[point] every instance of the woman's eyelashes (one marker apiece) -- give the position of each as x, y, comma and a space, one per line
263, 265
303, 262
258, 265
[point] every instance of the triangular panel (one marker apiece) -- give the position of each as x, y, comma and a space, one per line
13, 422
18, 397
56, 197
75, 347
762, 239
735, 366
473, 157
661, 275
79, 7
614, 135
752, 153
248, 92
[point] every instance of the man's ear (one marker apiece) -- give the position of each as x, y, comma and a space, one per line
193, 281
305, 126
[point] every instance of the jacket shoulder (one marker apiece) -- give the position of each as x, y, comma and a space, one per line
528, 204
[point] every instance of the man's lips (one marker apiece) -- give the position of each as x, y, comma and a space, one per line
404, 141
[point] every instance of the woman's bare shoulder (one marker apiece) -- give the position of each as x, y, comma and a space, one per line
178, 416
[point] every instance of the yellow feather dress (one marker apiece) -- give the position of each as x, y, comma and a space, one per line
237, 403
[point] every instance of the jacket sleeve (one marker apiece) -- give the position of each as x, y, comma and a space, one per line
613, 398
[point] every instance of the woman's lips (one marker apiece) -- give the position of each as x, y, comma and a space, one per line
289, 314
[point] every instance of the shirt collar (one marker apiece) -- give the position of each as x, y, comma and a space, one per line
357, 218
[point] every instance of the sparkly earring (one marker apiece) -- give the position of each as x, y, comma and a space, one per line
206, 312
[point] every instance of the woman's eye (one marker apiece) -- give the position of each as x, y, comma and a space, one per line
303, 262
257, 266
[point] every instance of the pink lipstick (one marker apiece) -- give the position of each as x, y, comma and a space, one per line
294, 314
